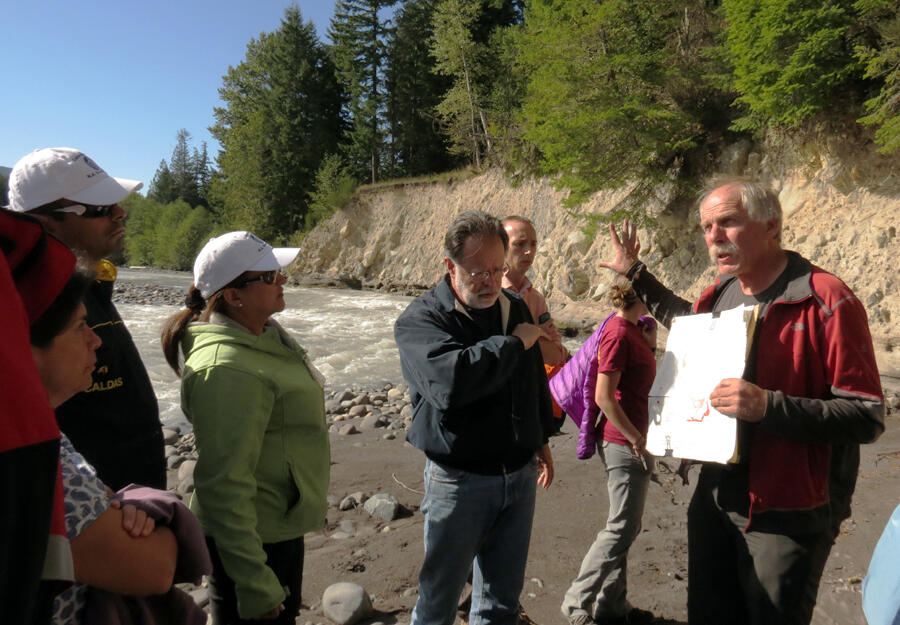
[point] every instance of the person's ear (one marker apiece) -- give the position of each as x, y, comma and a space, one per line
232, 297
449, 265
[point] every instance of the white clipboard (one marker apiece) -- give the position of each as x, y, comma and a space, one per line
701, 351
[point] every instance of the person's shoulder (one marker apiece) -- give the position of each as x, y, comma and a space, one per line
616, 329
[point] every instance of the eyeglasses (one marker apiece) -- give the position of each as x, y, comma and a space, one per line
90, 211
493, 274
268, 277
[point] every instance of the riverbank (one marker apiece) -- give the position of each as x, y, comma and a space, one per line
380, 547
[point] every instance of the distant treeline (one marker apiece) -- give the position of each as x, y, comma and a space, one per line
591, 93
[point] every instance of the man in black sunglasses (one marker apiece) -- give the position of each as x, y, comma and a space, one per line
115, 423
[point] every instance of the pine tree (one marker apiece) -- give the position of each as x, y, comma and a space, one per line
882, 62
358, 37
608, 101
163, 188
792, 59
282, 115
416, 144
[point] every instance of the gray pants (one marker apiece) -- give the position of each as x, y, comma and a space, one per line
600, 588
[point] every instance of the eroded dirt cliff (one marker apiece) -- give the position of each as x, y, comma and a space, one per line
841, 206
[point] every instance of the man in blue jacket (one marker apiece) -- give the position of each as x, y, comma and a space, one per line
482, 414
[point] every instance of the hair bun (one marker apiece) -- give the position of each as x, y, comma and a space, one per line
194, 301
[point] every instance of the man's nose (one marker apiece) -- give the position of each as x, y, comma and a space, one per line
119, 213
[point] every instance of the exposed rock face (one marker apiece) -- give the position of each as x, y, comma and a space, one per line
841, 208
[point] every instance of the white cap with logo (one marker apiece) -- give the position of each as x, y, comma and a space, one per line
225, 257
50, 174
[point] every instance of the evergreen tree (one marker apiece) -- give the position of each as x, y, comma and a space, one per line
414, 90
358, 38
607, 101
163, 188
202, 173
792, 59
458, 56
470, 48
882, 62
181, 166
185, 177
282, 115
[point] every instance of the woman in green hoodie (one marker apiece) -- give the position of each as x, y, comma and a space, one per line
257, 407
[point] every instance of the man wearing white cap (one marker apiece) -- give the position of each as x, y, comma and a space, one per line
115, 423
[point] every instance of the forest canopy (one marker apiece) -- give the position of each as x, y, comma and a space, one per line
593, 94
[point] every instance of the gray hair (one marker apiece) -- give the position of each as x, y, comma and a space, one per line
472, 224
758, 199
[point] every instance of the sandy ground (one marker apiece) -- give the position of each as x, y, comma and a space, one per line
385, 558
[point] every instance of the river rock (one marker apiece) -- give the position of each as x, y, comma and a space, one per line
382, 506
186, 469
348, 429
371, 422
332, 406
170, 436
358, 410
346, 395
362, 398
394, 393
346, 603
353, 500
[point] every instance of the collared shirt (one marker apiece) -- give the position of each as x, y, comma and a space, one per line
552, 349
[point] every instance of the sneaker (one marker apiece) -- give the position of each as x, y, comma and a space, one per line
581, 619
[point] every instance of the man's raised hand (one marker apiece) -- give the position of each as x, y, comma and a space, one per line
626, 248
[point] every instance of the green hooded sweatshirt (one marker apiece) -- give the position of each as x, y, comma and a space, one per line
258, 411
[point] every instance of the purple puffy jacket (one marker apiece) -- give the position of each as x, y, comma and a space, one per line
574, 388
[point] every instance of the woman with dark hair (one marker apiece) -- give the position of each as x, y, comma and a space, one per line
612, 374
114, 548
258, 411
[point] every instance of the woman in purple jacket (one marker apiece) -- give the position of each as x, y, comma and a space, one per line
612, 373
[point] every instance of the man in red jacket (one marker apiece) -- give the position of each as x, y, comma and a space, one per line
759, 532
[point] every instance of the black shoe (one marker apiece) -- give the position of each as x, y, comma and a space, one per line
636, 616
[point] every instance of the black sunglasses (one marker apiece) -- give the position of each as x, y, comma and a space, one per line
90, 211
268, 277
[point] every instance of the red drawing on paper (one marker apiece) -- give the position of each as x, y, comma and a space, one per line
701, 412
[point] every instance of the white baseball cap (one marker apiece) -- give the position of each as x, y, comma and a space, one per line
225, 257
50, 174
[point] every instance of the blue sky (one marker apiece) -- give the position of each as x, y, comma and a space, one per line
118, 79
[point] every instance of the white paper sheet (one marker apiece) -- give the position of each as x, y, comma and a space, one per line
701, 351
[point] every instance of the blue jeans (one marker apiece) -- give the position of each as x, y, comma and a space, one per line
601, 586
485, 518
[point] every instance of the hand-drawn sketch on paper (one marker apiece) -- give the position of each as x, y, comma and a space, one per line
701, 351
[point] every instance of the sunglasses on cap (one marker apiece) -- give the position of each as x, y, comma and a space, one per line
85, 210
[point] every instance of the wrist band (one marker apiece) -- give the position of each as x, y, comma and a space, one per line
635, 270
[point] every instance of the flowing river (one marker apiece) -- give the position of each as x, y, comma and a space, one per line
348, 334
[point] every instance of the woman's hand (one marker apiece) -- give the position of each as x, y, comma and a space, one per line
639, 445
134, 520
273, 613
545, 467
